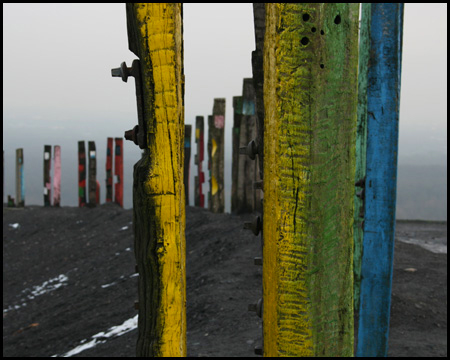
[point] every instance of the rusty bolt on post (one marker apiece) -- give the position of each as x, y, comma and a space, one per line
256, 307
251, 150
255, 225
123, 71
132, 134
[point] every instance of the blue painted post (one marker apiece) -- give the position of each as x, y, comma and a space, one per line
383, 103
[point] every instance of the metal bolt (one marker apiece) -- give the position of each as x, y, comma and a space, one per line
255, 225
136, 305
132, 134
258, 350
361, 194
256, 307
251, 150
123, 71
258, 185
258, 260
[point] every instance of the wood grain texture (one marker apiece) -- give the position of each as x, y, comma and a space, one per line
310, 97
158, 190
383, 104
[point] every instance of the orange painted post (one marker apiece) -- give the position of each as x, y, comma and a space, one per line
47, 177
57, 176
118, 171
109, 174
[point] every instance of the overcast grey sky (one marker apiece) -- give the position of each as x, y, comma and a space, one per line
58, 89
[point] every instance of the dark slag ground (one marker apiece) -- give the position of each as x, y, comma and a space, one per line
92, 249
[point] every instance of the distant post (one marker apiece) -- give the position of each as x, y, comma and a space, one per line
118, 171
310, 102
20, 181
81, 174
248, 198
200, 178
237, 115
216, 127
57, 176
92, 184
47, 177
187, 160
380, 186
109, 174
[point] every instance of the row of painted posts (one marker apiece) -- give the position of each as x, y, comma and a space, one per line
317, 120
52, 185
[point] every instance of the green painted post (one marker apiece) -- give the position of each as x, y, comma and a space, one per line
310, 104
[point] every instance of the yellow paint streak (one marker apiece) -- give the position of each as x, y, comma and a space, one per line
214, 185
161, 32
214, 147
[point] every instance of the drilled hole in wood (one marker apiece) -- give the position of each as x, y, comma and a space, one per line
304, 40
322, 66
322, 32
306, 17
313, 29
337, 19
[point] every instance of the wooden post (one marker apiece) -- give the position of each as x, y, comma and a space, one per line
155, 36
200, 178
81, 174
310, 98
187, 160
361, 138
57, 176
216, 127
47, 177
92, 183
383, 104
237, 115
118, 171
20, 181
248, 198
109, 173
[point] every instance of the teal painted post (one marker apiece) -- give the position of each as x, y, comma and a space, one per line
383, 103
361, 138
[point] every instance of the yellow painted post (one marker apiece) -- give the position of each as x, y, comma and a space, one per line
310, 99
155, 36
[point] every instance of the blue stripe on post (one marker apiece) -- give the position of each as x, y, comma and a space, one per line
383, 103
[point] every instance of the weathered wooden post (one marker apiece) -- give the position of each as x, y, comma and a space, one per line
310, 98
81, 174
248, 174
216, 127
237, 116
155, 36
57, 176
118, 171
109, 173
92, 183
361, 138
20, 181
200, 178
187, 160
47, 177
380, 185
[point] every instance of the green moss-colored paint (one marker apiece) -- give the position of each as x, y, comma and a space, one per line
310, 97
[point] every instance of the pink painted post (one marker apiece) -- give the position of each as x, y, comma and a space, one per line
57, 176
